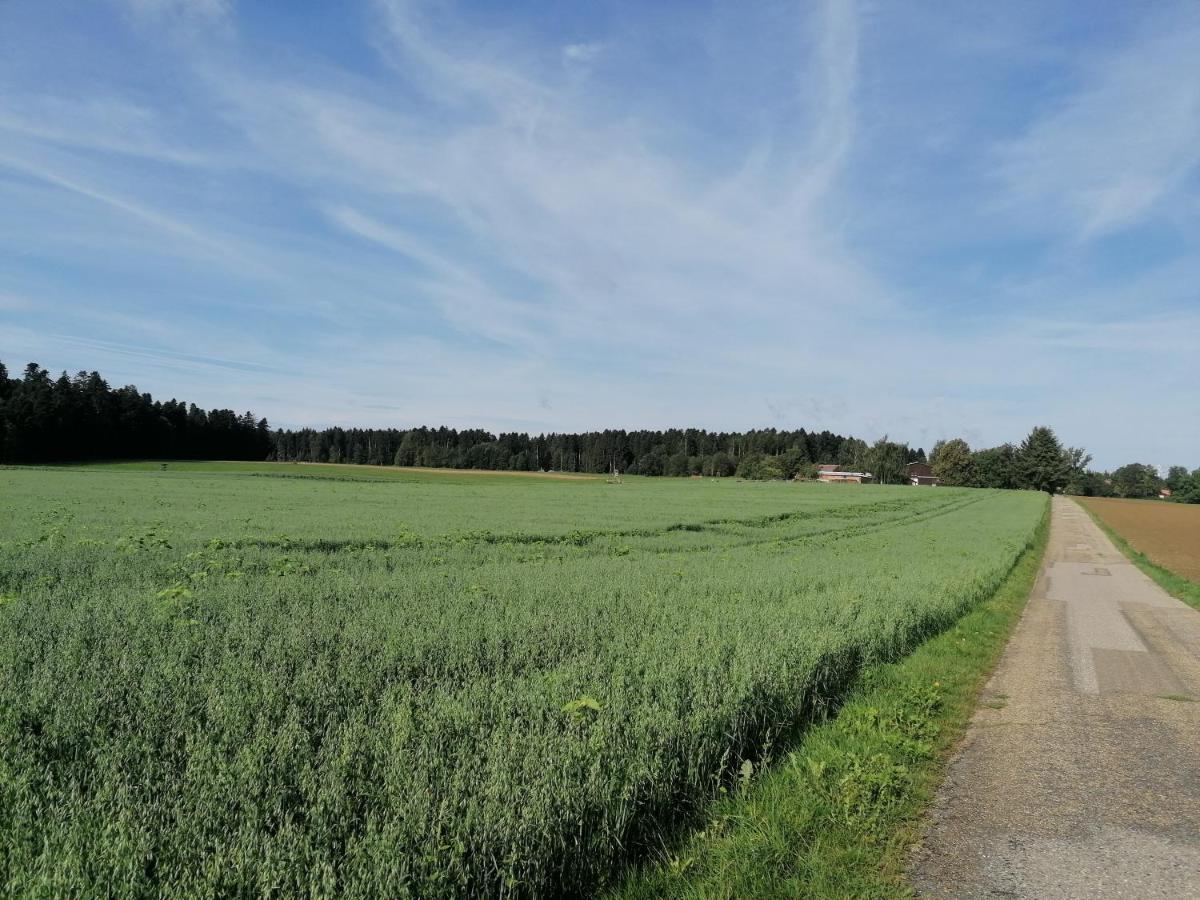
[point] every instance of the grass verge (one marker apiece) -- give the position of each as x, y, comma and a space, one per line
1175, 585
838, 814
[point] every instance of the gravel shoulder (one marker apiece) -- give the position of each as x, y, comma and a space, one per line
1080, 773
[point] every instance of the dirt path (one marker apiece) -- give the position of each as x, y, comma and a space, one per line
1080, 773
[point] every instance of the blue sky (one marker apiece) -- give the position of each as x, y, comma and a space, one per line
896, 218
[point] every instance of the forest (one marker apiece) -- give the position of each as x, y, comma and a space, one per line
81, 417
759, 453
73, 419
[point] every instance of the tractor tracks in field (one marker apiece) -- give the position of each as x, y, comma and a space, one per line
820, 535
601, 542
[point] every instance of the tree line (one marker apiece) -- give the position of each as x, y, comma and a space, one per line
1009, 466
760, 453
1142, 480
80, 417
1041, 462
44, 419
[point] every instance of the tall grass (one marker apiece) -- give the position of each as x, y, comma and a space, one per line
302, 688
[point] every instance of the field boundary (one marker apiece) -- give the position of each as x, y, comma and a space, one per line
443, 470
1176, 585
840, 813
431, 470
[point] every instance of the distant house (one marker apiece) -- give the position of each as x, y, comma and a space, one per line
920, 473
831, 474
1164, 494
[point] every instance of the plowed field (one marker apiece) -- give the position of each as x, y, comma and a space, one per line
1168, 533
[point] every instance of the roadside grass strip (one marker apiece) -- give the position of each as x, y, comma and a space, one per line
839, 813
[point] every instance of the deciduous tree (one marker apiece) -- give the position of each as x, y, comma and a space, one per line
1136, 480
952, 462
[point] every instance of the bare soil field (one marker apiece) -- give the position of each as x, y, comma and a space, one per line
1168, 533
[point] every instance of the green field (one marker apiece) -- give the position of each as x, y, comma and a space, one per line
215, 680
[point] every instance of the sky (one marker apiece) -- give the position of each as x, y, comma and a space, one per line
920, 220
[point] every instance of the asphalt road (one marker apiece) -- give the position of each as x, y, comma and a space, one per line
1080, 773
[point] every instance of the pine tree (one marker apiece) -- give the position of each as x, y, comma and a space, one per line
1042, 462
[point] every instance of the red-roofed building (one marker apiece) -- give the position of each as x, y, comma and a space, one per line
832, 474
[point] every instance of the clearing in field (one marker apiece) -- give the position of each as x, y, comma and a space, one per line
1167, 533
220, 682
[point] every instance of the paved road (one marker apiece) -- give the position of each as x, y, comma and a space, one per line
1080, 773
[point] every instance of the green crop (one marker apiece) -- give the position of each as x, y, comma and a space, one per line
224, 683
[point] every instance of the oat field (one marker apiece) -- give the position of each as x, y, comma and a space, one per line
272, 679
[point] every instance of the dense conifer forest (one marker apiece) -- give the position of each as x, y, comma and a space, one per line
70, 419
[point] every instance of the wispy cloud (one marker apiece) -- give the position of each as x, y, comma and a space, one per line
836, 79
570, 213
13, 303
1116, 147
105, 124
207, 12
420, 212
582, 53
151, 217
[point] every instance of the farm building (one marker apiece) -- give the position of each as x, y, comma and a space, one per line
920, 473
832, 474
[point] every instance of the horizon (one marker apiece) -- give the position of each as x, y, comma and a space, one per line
496, 434
869, 221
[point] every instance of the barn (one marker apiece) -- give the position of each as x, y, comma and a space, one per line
832, 474
920, 473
